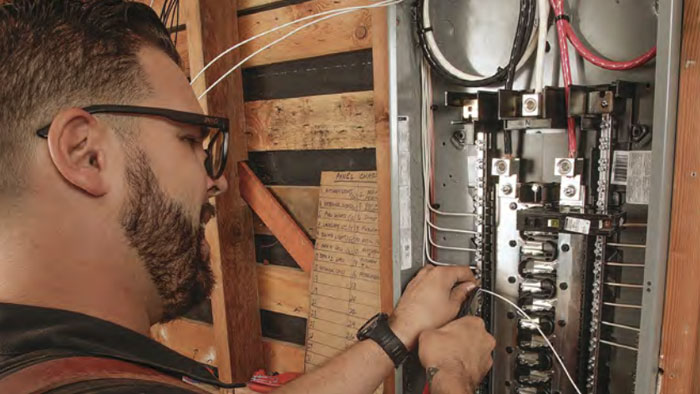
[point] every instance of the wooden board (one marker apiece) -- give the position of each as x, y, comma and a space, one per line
347, 32
235, 298
380, 62
248, 7
330, 74
275, 217
189, 338
303, 168
344, 283
284, 290
681, 327
302, 204
283, 356
336, 121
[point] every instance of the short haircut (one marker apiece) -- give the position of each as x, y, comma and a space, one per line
67, 53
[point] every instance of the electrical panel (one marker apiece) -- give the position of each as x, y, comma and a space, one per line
538, 178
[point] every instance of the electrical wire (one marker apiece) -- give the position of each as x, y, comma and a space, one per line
558, 6
520, 51
543, 9
326, 15
593, 58
526, 316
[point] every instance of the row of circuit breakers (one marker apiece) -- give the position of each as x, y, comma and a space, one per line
557, 248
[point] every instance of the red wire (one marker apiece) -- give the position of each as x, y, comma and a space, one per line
558, 7
605, 63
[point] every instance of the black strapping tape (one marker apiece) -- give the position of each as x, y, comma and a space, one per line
562, 16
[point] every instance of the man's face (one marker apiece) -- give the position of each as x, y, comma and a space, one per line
167, 190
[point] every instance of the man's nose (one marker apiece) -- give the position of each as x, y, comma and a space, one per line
216, 187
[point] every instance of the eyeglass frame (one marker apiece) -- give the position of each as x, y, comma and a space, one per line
188, 118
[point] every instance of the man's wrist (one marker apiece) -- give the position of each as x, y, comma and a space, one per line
404, 332
444, 382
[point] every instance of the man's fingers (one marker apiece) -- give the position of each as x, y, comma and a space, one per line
459, 293
457, 274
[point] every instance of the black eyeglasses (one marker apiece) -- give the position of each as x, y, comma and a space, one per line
214, 129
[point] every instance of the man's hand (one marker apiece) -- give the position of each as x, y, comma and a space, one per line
431, 299
456, 356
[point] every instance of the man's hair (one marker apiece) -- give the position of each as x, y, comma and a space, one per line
67, 53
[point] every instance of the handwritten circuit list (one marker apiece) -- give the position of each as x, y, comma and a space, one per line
345, 276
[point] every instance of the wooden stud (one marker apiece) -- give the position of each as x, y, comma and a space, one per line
681, 325
302, 204
380, 56
335, 121
235, 299
283, 356
284, 290
245, 4
276, 218
347, 32
189, 338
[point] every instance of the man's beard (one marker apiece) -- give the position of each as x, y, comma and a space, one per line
170, 243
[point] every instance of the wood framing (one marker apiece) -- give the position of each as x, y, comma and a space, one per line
235, 305
380, 58
349, 32
334, 121
680, 358
276, 218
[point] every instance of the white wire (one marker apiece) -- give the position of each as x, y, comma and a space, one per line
543, 9
385, 3
525, 315
451, 230
463, 214
454, 248
274, 29
440, 57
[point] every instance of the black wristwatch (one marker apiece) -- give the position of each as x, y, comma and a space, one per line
378, 330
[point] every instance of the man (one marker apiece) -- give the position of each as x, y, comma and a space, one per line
104, 183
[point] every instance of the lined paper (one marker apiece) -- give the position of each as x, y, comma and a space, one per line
344, 286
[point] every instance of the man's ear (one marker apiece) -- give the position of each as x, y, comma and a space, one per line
77, 148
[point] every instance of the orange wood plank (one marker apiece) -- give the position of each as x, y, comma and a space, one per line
276, 218
380, 61
235, 304
681, 326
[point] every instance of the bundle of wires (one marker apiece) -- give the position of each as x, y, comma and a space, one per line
566, 33
523, 46
170, 16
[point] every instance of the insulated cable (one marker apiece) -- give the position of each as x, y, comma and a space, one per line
520, 51
558, 6
326, 15
588, 54
543, 9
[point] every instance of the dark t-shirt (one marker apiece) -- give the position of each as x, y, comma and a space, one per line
30, 334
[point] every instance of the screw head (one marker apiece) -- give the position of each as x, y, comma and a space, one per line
570, 191
501, 166
512, 244
565, 248
604, 103
513, 206
530, 104
507, 189
563, 285
564, 166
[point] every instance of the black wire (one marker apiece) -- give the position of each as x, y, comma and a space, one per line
507, 142
513, 63
520, 42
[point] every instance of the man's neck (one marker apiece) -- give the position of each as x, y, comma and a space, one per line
33, 271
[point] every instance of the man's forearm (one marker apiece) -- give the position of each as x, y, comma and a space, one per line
358, 370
